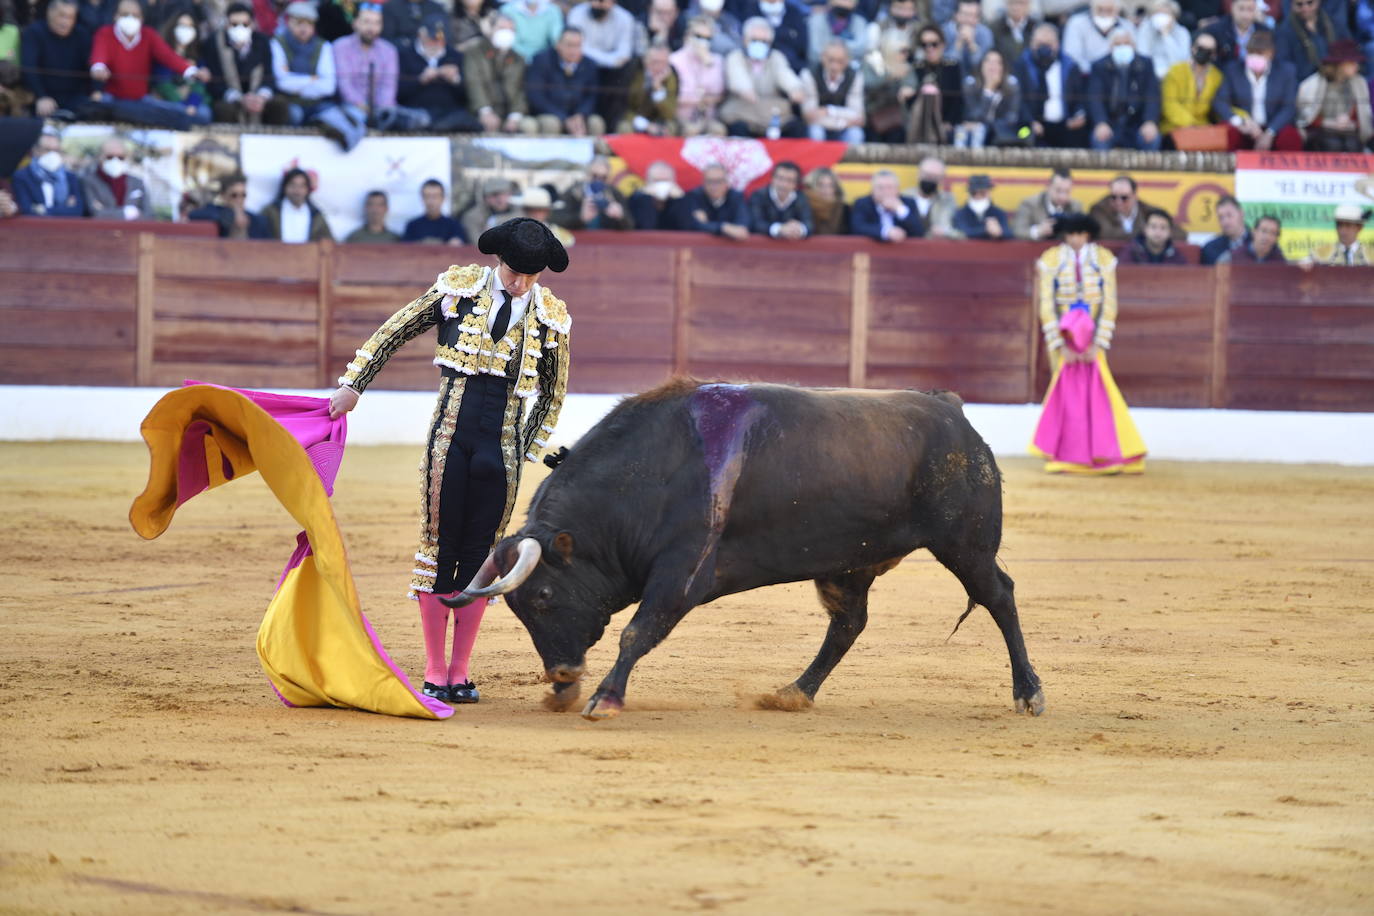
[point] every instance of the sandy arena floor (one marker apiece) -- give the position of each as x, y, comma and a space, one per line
1204, 634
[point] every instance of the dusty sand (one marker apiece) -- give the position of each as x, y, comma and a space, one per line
1204, 635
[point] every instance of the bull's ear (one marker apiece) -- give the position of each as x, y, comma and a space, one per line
563, 545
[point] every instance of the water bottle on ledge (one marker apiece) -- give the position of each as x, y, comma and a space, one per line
774, 128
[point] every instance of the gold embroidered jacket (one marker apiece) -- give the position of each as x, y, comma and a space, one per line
533, 353
1061, 286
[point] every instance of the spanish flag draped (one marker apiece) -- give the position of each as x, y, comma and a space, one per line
315, 645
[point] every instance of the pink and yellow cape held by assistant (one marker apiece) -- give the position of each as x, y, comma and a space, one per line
315, 645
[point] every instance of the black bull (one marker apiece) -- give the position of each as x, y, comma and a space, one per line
694, 491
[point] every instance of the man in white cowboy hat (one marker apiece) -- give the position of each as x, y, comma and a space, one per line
1350, 222
536, 203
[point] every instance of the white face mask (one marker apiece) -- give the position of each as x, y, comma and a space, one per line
758, 50
115, 168
129, 25
712, 6
184, 34
50, 161
660, 189
1122, 55
1161, 21
1104, 23
979, 206
503, 39
772, 9
240, 34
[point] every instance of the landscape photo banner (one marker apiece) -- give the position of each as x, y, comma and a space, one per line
1303, 191
396, 165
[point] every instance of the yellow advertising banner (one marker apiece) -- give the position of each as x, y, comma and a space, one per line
1190, 196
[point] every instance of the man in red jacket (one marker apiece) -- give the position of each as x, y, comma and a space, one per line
122, 57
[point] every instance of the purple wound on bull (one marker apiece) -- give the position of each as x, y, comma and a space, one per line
723, 416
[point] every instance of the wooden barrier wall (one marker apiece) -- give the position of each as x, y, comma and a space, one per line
121, 307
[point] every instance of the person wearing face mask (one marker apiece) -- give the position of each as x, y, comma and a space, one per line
836, 20
1162, 39
701, 80
659, 203
431, 80
183, 37
788, 19
1053, 92
1123, 99
760, 88
1088, 35
495, 77
594, 203
652, 102
934, 204
111, 192
122, 59
1233, 32
46, 187
242, 85
980, 218
1257, 100
537, 23
1189, 88
608, 41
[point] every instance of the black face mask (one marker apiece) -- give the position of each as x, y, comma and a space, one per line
1044, 55
928, 187
902, 21
1202, 55
600, 12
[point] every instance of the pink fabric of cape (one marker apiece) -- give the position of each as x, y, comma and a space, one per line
315, 644
1076, 424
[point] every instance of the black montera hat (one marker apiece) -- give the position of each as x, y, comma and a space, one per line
1077, 222
525, 245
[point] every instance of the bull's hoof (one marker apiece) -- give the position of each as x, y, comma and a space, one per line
602, 707
1034, 706
788, 699
557, 700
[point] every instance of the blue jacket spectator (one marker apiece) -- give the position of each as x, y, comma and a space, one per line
445, 101
1280, 94
788, 19
1123, 94
55, 56
434, 229
706, 215
1234, 32
560, 90
980, 218
1040, 64
865, 218
1304, 37
46, 187
649, 212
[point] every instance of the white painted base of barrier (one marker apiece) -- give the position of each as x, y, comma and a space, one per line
42, 413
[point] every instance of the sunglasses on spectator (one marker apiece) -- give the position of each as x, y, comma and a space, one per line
113, 156
233, 194
1121, 197
932, 44
1303, 4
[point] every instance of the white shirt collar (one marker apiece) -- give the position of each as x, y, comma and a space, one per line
518, 304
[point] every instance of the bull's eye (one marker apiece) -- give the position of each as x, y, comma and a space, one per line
545, 593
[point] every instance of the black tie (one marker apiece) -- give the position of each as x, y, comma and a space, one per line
498, 330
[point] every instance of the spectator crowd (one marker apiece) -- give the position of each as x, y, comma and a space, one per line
1150, 74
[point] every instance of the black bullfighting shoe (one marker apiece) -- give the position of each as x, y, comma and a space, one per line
465, 692
438, 691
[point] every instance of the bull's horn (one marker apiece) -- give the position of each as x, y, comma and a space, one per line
528, 554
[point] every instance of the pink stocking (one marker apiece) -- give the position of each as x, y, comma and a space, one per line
434, 624
466, 620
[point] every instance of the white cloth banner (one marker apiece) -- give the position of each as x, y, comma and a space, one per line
396, 165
